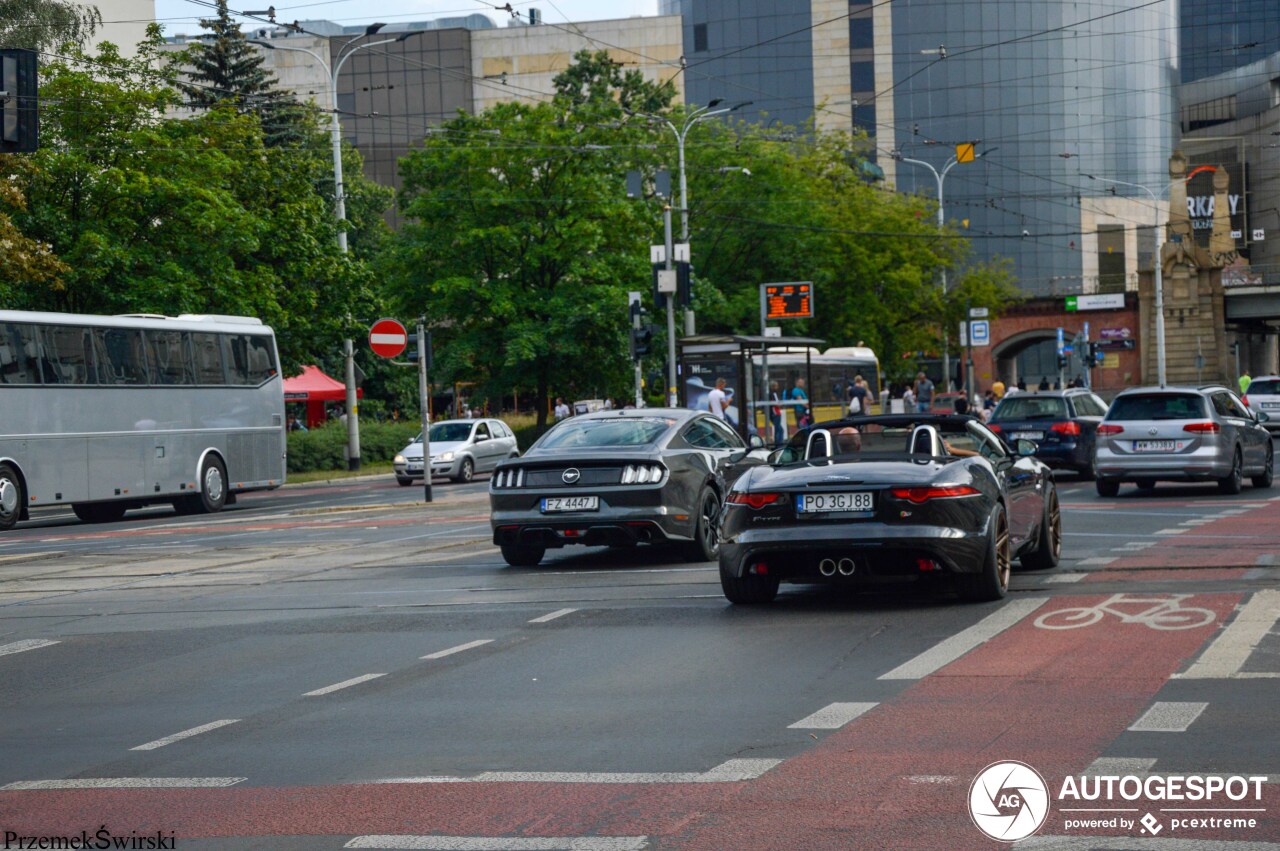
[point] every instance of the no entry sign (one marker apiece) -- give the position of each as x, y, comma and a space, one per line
388, 338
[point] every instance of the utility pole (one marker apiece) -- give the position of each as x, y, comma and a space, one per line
424, 396
637, 314
353, 408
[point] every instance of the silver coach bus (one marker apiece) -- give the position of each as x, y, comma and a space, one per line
109, 413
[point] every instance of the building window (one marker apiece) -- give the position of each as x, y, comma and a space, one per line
699, 38
862, 77
1111, 271
865, 117
860, 33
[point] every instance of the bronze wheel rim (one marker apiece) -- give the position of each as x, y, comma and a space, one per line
1004, 564
1055, 526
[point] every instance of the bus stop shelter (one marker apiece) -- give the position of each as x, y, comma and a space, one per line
743, 362
314, 389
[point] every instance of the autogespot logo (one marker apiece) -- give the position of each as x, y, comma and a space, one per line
1008, 801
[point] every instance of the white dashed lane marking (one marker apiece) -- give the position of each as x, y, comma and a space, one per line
125, 783
185, 734
832, 717
440, 654
28, 644
1231, 649
731, 771
1064, 578
1168, 717
951, 649
354, 681
559, 613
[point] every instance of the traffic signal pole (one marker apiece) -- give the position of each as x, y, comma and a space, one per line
671, 315
424, 403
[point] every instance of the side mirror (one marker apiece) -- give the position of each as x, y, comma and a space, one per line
737, 455
480, 437
1027, 448
1264, 417
755, 441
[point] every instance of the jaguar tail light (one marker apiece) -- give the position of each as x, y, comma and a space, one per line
1202, 428
1069, 427
919, 495
998, 429
754, 500
1110, 429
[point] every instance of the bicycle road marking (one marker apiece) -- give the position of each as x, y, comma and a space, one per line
1164, 612
1228, 653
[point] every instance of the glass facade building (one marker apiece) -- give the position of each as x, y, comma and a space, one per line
1219, 35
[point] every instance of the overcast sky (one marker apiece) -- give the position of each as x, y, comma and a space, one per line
182, 16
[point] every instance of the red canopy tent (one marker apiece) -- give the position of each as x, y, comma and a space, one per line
315, 388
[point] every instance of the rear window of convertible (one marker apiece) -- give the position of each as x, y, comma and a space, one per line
626, 431
1157, 406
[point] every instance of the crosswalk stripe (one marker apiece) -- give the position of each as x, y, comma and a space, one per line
1224, 658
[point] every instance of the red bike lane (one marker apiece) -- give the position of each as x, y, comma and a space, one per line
896, 777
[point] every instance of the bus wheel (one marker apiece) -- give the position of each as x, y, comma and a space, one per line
11, 497
213, 486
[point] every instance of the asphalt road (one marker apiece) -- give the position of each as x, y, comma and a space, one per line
329, 663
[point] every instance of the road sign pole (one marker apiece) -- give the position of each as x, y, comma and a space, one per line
353, 408
764, 363
424, 402
633, 305
968, 361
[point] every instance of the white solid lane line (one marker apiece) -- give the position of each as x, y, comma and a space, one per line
440, 654
354, 681
953, 648
499, 843
832, 717
125, 783
1230, 650
28, 644
558, 613
1168, 717
185, 734
730, 771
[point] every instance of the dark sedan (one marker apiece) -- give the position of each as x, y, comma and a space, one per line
1063, 424
871, 500
618, 478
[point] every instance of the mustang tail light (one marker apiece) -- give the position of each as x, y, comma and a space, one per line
754, 500
641, 474
1110, 429
1202, 428
918, 495
1068, 427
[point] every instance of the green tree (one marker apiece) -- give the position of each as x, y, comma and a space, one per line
46, 24
597, 78
163, 215
228, 69
521, 246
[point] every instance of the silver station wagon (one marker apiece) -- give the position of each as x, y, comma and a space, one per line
1183, 434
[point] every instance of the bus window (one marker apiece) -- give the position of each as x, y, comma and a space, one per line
118, 352
251, 361
169, 358
208, 354
66, 357
18, 363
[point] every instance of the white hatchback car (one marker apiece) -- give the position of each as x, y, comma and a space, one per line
459, 450
1264, 396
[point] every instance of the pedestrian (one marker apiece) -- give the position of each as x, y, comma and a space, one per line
859, 397
1245, 381
1044, 383
775, 414
562, 410
798, 395
998, 389
718, 400
1022, 385
908, 400
924, 393
962, 405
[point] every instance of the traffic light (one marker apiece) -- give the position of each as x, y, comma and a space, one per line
659, 298
19, 120
1062, 361
641, 341
684, 283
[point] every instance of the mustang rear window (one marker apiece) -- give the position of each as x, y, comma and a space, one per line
627, 431
1157, 406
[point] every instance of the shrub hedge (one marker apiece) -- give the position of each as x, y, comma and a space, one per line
321, 448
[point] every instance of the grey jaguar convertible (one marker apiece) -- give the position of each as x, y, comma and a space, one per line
880, 499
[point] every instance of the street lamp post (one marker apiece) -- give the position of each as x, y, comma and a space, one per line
1155, 207
941, 178
340, 206
691, 118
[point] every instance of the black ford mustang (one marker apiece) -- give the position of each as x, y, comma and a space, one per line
619, 478
874, 499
